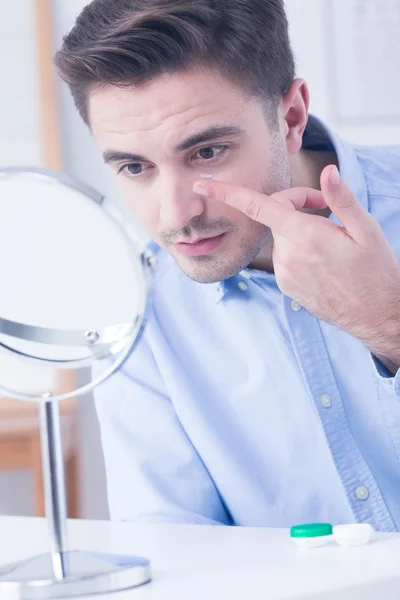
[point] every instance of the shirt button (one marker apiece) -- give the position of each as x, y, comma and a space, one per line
295, 306
362, 493
242, 286
326, 401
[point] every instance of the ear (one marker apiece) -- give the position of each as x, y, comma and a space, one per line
293, 112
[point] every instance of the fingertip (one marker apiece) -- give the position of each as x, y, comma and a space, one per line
200, 188
334, 176
330, 176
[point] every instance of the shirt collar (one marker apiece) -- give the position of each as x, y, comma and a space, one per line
349, 166
150, 247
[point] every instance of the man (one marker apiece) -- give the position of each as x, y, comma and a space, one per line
270, 396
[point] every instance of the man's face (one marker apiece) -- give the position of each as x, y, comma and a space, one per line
161, 137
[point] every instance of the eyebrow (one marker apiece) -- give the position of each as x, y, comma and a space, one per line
208, 135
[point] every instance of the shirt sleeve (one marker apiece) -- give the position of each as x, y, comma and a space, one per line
391, 383
154, 473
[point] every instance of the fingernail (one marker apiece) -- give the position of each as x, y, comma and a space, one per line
335, 177
200, 190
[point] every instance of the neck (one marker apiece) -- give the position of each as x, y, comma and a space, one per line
306, 169
307, 166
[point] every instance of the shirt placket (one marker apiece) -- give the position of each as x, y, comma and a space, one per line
363, 493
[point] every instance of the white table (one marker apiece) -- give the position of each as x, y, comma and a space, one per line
223, 563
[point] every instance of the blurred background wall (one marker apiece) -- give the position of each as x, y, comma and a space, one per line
346, 51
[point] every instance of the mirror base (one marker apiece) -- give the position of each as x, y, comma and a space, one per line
80, 573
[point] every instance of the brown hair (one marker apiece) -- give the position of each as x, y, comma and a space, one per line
129, 42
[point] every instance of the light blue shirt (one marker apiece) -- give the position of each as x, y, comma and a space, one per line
239, 407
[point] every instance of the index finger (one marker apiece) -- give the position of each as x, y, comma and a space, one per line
272, 211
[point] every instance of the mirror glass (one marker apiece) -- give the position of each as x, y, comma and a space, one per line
73, 284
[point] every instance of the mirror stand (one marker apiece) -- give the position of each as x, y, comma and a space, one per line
64, 573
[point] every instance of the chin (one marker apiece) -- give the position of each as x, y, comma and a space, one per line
210, 269
226, 261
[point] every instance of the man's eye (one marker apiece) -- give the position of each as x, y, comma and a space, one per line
131, 169
210, 152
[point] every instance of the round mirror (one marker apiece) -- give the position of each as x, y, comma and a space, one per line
74, 287
74, 291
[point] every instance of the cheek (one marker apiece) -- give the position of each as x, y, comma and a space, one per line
255, 174
141, 205
249, 170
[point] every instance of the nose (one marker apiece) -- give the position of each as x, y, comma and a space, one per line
179, 204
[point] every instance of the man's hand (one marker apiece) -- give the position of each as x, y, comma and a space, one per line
346, 275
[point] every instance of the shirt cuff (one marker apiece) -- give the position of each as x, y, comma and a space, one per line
389, 381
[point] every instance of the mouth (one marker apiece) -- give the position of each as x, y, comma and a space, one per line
200, 247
